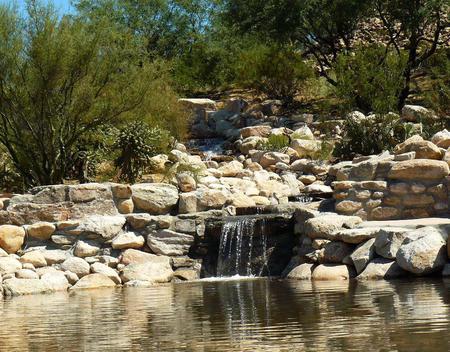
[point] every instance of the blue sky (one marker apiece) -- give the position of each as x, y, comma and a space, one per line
63, 6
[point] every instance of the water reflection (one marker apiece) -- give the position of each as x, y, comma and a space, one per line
250, 315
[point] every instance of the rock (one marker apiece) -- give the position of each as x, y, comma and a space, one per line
76, 265
332, 272
9, 265
11, 238
325, 226
186, 274
305, 148
26, 274
54, 256
335, 252
41, 230
384, 213
365, 170
423, 149
251, 143
155, 198
258, 131
167, 242
348, 207
159, 271
19, 287
405, 156
106, 227
139, 221
186, 182
301, 272
125, 206
99, 268
85, 249
319, 190
240, 200
34, 257
442, 139
272, 158
210, 199
231, 169
3, 253
303, 132
416, 113
71, 277
56, 281
388, 241
121, 191
382, 268
363, 254
128, 240
423, 252
356, 236
92, 281
133, 256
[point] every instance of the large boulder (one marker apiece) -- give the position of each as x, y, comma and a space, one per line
389, 240
255, 131
442, 139
332, 272
77, 266
423, 149
424, 251
155, 198
41, 230
416, 113
19, 287
11, 238
336, 251
154, 271
106, 227
325, 226
425, 170
100, 268
305, 148
382, 268
301, 272
92, 281
134, 256
167, 242
363, 254
9, 265
128, 240
56, 281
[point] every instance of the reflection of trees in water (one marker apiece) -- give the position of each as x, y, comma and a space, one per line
239, 315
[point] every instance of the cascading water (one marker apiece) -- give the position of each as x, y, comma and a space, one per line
242, 248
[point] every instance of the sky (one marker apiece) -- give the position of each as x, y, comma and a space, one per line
62, 6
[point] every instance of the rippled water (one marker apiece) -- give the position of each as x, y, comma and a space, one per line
245, 315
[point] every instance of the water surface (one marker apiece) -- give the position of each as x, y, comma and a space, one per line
236, 315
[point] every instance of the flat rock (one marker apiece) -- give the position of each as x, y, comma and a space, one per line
325, 226
167, 242
133, 256
93, 281
389, 240
128, 240
356, 236
19, 287
155, 198
105, 226
419, 169
382, 268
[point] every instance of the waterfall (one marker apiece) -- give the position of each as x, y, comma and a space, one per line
242, 248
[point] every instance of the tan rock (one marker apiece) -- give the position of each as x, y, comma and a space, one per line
34, 257
121, 191
92, 281
11, 238
423, 149
42, 230
125, 206
155, 198
384, 213
417, 200
419, 170
128, 240
348, 207
258, 131
332, 272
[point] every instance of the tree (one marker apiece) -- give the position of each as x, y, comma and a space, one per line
61, 79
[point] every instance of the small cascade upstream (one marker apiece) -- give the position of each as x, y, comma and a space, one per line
242, 248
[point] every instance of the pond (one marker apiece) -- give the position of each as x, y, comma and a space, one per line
234, 315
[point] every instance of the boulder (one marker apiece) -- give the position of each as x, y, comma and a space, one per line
34, 257
185, 274
389, 240
56, 281
382, 268
332, 272
240, 200
335, 252
363, 254
106, 227
19, 287
318, 190
303, 132
325, 226
54, 256
167, 242
158, 271
125, 206
231, 169
305, 148
92, 281
41, 230
26, 274
210, 199
255, 131
424, 251
11, 238
76, 265
356, 236
155, 198
423, 149
271, 158
134, 256
85, 249
186, 182
9, 265
99, 268
442, 139
416, 113
301, 272
128, 240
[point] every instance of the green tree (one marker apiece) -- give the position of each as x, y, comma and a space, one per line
61, 79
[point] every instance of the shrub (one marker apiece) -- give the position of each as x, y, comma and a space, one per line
277, 71
137, 142
275, 143
370, 80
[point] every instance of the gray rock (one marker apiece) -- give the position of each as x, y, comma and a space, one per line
336, 251
106, 227
155, 198
56, 281
169, 242
156, 271
9, 265
99, 268
325, 226
382, 268
356, 236
92, 281
76, 265
389, 240
363, 254
85, 249
424, 252
19, 287
301, 272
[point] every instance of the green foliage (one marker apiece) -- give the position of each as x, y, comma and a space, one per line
61, 79
325, 152
137, 143
10, 180
277, 71
275, 143
371, 135
369, 79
